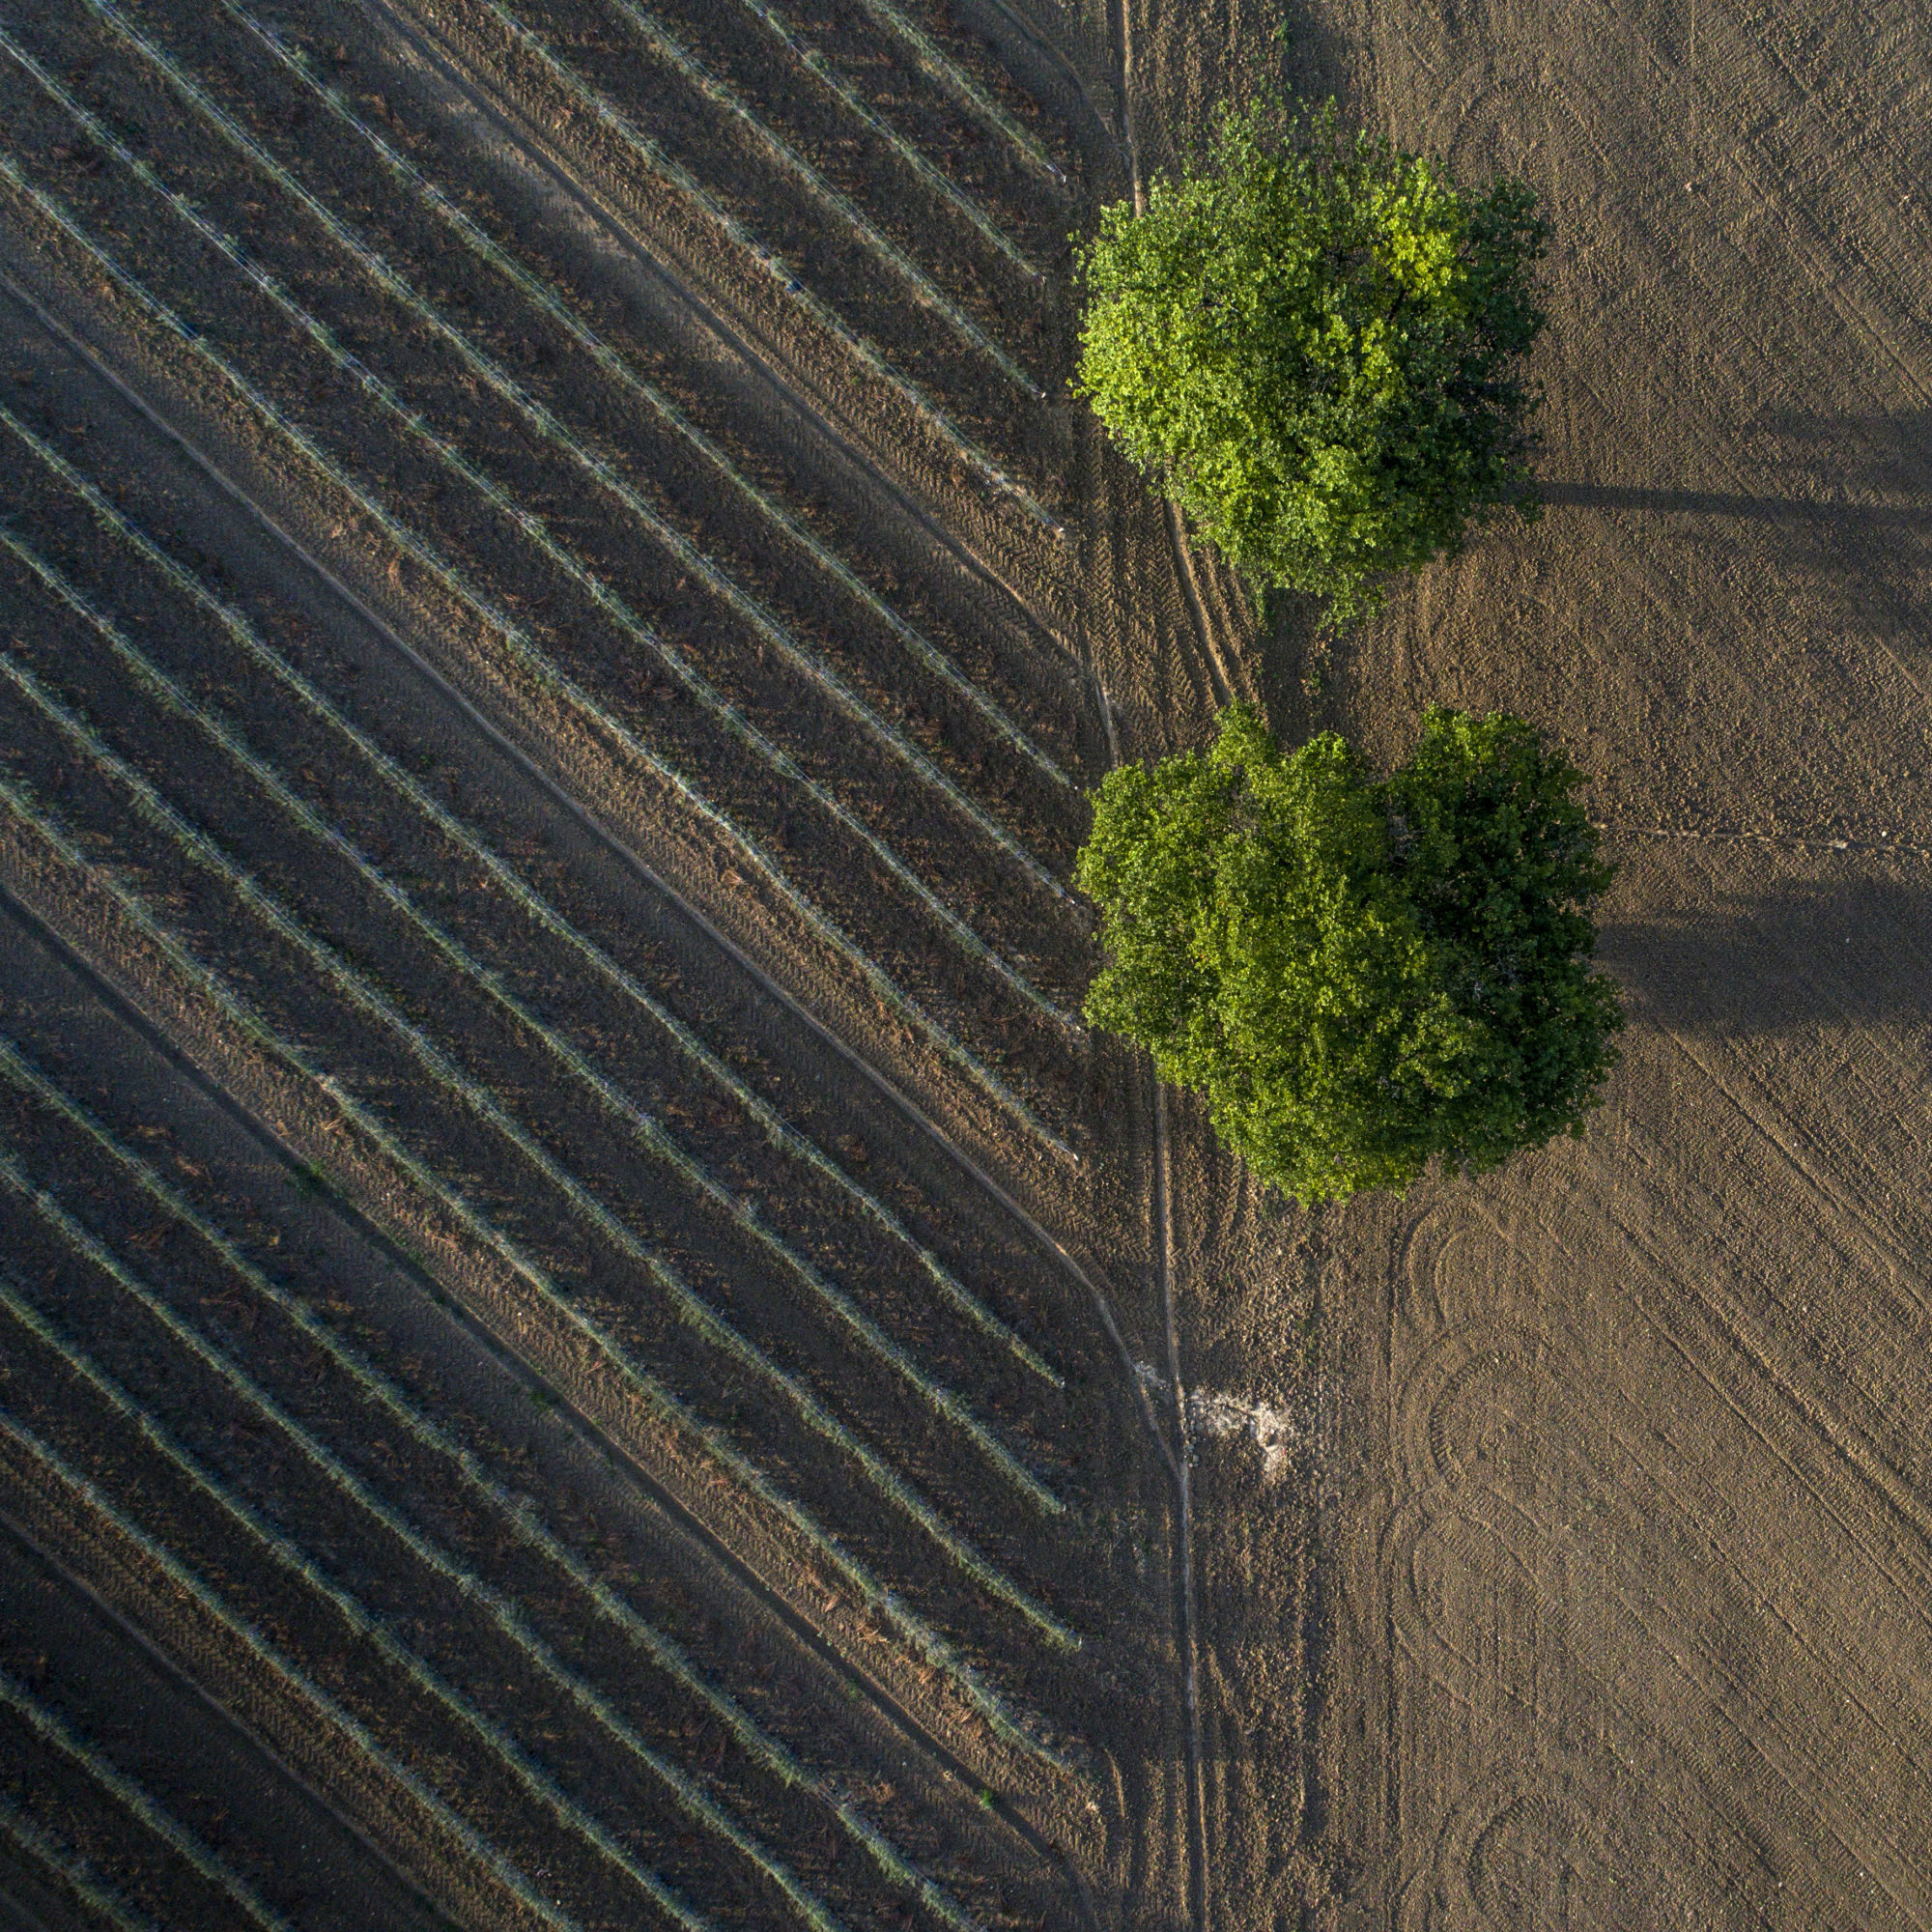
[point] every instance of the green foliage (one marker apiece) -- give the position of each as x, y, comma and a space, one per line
1358, 975
1316, 340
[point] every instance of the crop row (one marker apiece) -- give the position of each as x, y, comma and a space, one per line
75, 1873
355, 990
649, 155
514, 1517
502, 499
647, 1395
570, 317
48, 1726
720, 95
524, 1771
506, 1618
645, 1131
956, 80
934, 178
637, 1000
527, 655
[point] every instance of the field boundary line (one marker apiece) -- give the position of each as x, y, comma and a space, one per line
533, 663
520, 1511
264, 1653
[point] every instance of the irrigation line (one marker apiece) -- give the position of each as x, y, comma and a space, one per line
526, 1772
51, 1728
374, 1386
620, 369
468, 1584
73, 1871
641, 1127
778, 1131
668, 47
530, 659
821, 69
149, 804
667, 1409
775, 267
535, 529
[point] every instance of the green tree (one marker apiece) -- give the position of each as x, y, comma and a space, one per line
1358, 975
1316, 342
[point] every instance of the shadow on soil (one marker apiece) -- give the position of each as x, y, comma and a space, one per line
1807, 955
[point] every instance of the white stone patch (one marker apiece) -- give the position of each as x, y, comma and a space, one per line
1210, 1412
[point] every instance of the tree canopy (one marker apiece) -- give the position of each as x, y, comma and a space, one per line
1316, 342
1358, 975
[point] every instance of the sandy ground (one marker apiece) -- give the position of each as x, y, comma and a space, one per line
1620, 1454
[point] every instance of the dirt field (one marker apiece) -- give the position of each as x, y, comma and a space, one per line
583, 1341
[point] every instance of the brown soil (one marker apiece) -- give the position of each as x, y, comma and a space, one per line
1542, 1551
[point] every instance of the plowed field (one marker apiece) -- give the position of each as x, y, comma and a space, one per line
585, 1338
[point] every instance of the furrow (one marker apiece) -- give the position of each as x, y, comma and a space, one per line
779, 1132
51, 1729
950, 76
526, 1772
528, 657
642, 1128
692, 190
501, 1613
266, 1654
72, 1871
568, 316
608, 600
725, 98
663, 1406
352, 988
517, 1512
822, 70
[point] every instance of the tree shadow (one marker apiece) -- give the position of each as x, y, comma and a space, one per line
1809, 953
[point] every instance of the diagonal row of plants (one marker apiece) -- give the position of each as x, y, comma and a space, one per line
51, 1730
573, 319
35, 1465
637, 153
468, 1598
297, 1597
572, 1329
472, 848
566, 557
603, 1233
69, 1869
527, 663
475, 1505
